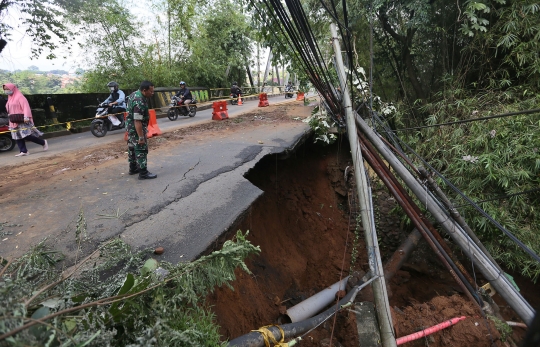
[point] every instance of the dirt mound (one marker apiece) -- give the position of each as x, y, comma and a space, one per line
473, 331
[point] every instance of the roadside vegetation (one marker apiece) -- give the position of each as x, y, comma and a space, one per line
434, 62
114, 297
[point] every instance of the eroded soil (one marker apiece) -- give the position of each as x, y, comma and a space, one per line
303, 226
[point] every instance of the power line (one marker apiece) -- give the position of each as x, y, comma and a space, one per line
465, 197
536, 110
503, 197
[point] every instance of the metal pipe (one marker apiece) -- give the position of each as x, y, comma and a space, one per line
403, 252
309, 307
417, 221
454, 213
375, 263
416, 209
497, 279
255, 339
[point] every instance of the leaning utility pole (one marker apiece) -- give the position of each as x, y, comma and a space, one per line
366, 208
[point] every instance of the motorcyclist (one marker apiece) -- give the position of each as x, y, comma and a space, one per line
116, 101
289, 87
235, 90
184, 94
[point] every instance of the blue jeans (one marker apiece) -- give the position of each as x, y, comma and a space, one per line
22, 144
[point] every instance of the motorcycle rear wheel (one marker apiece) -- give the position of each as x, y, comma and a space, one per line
98, 128
9, 143
192, 111
172, 114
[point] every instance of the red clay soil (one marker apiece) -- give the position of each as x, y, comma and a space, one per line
302, 225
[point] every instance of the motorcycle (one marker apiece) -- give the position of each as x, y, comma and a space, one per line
234, 99
289, 92
103, 123
6, 142
177, 109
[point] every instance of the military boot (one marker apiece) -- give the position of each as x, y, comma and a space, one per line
144, 174
134, 169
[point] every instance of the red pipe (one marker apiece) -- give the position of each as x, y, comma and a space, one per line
429, 331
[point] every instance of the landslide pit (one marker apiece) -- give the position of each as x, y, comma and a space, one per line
306, 235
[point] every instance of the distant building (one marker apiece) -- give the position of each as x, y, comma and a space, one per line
67, 79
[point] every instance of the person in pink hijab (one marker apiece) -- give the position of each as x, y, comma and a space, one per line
17, 104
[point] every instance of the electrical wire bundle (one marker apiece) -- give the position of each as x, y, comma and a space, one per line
295, 29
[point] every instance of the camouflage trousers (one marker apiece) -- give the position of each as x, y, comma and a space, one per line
137, 153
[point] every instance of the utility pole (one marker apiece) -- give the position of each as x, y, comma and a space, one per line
366, 207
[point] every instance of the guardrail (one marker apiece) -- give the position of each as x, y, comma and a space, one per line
220, 93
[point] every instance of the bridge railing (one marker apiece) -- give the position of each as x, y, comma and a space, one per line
79, 108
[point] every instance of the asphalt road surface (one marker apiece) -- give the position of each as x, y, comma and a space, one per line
199, 193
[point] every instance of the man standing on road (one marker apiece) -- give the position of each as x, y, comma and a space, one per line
137, 128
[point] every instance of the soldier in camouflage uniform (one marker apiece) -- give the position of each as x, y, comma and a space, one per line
137, 128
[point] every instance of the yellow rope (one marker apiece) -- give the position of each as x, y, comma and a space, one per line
269, 337
70, 123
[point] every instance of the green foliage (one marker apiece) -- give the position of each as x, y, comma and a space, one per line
222, 44
104, 300
41, 21
489, 159
504, 329
178, 52
36, 82
321, 122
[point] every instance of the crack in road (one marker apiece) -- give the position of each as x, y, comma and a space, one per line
184, 176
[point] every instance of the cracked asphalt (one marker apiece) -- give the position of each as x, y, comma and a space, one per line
199, 194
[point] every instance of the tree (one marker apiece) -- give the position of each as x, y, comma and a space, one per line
42, 21
33, 68
222, 43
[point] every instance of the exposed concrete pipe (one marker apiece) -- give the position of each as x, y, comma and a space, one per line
255, 339
309, 307
497, 279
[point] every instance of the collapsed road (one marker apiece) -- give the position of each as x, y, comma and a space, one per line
79, 196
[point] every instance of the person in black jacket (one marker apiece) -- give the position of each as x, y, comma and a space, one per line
235, 90
184, 93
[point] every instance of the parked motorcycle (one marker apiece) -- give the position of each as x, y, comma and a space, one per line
289, 92
177, 109
103, 123
6, 142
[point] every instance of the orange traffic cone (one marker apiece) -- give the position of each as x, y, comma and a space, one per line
240, 100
